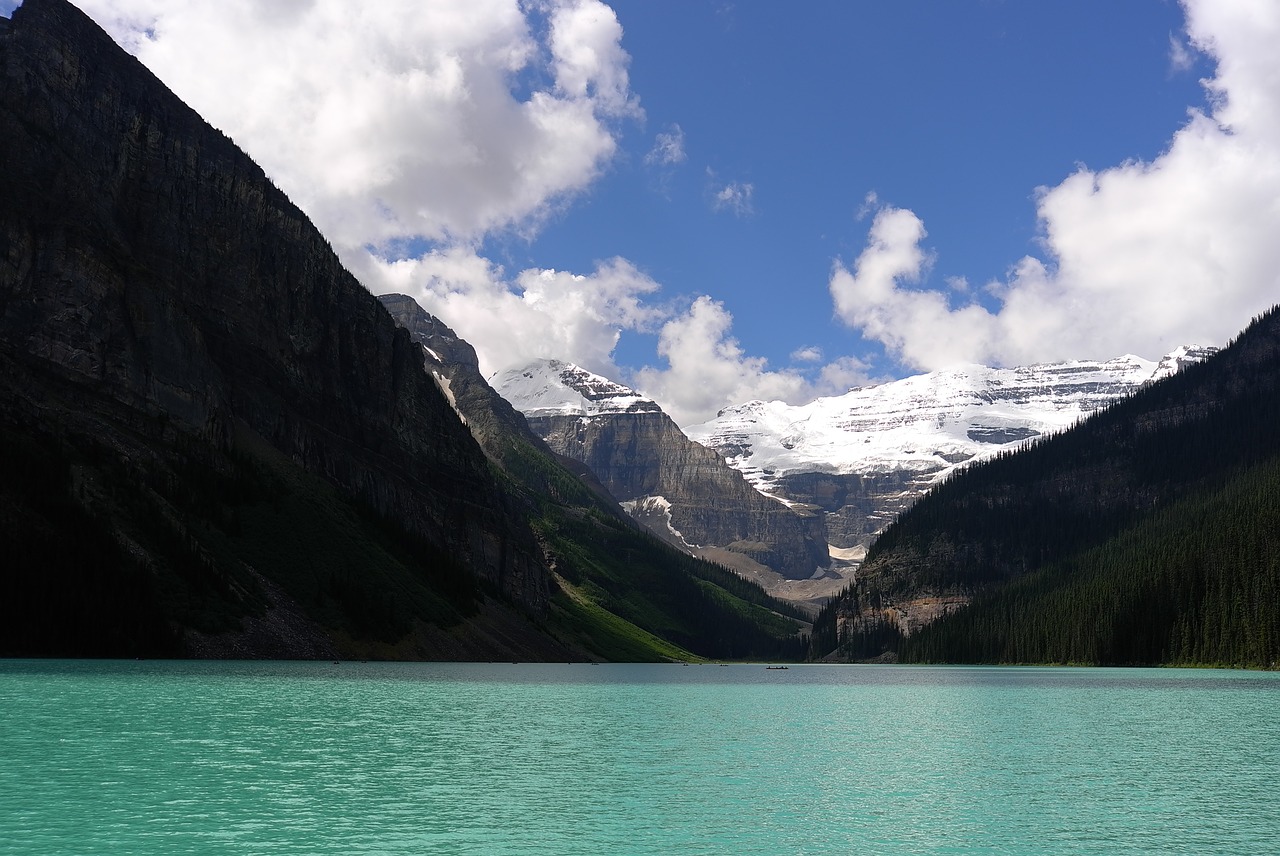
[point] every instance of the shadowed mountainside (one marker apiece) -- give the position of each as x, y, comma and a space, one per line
213, 440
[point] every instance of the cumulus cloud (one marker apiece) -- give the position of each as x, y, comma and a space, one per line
707, 369
668, 148
1141, 257
918, 326
808, 354
535, 314
397, 119
512, 320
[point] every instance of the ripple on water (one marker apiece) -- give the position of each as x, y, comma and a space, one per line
419, 758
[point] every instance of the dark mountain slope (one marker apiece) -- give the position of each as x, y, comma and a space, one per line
180, 354
1179, 440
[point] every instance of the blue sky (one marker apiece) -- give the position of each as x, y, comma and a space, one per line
958, 111
719, 201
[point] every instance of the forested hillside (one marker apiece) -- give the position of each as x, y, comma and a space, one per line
1073, 512
1197, 582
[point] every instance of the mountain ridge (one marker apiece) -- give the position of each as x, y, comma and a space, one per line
593, 546
864, 456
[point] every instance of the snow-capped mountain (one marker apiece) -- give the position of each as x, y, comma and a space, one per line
864, 456
682, 491
555, 388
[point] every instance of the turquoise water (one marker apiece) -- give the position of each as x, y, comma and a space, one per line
161, 757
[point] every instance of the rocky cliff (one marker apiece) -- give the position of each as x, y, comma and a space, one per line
501, 430
165, 310
681, 490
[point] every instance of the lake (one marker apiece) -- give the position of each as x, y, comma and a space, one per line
318, 758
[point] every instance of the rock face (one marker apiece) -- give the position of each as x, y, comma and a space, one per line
864, 457
161, 301
456, 369
681, 490
501, 430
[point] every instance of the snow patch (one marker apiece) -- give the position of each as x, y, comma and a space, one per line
555, 388
847, 554
442, 381
651, 510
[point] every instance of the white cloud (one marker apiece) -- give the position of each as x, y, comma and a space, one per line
707, 369
589, 62
580, 318
808, 354
1141, 257
870, 204
918, 326
1181, 56
538, 313
734, 197
398, 119
668, 148
844, 374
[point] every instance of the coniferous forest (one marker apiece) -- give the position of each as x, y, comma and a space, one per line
1147, 534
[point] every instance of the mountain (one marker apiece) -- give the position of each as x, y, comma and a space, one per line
1145, 534
500, 429
604, 563
681, 490
181, 346
215, 442
866, 456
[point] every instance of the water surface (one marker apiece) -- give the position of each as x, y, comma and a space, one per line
183, 757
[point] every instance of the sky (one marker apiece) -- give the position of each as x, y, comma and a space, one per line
717, 201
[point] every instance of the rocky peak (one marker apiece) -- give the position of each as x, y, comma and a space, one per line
681, 490
1180, 358
442, 344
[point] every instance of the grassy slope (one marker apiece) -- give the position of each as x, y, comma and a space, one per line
620, 584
